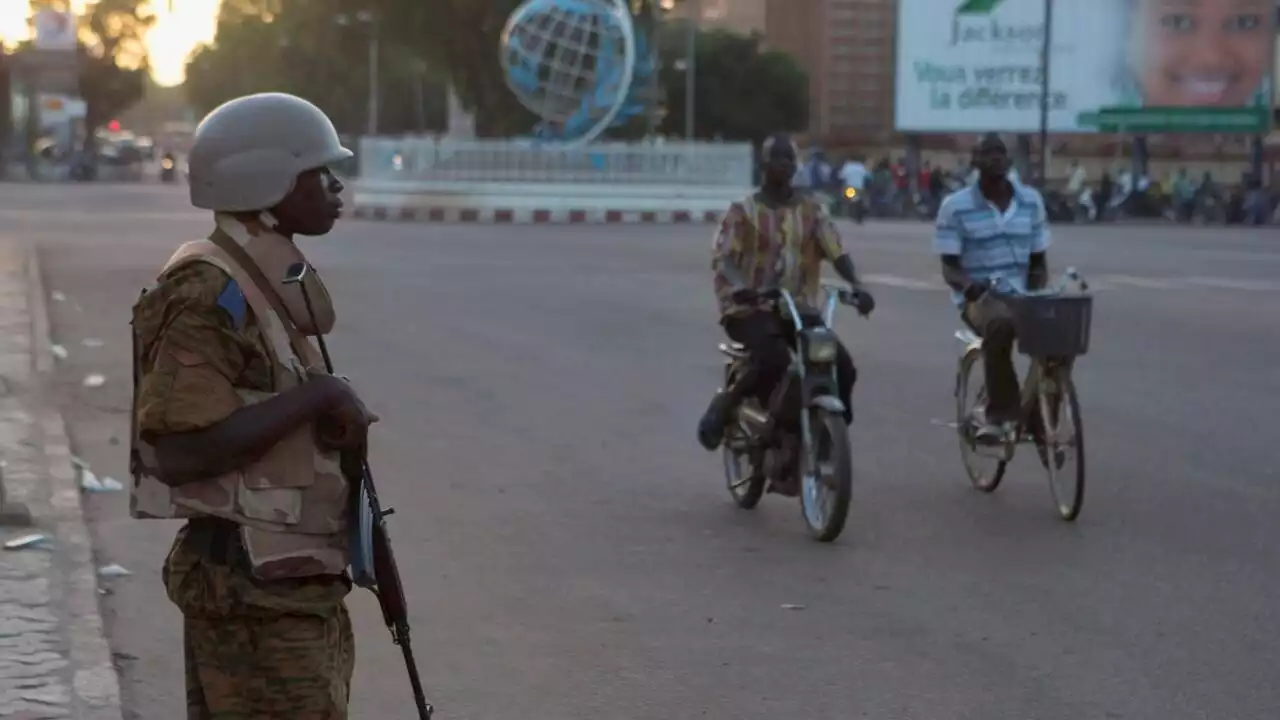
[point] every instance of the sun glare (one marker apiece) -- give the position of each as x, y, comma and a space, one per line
175, 34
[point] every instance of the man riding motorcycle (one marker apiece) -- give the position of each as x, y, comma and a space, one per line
775, 237
853, 175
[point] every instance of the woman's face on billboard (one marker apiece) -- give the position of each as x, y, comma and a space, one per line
1203, 52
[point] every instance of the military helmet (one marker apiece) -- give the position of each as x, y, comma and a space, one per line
248, 152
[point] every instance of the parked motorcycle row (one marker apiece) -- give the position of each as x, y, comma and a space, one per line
1238, 206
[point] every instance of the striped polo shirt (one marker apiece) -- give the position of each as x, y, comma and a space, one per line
992, 243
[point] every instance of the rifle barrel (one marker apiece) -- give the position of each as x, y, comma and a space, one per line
419, 695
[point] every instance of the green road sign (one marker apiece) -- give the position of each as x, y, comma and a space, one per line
978, 7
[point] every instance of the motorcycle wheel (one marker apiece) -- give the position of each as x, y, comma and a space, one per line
825, 491
746, 486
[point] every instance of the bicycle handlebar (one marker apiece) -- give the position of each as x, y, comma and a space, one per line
1000, 287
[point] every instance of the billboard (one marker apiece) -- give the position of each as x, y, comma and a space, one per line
54, 30
1115, 65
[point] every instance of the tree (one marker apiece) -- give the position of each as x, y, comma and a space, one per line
114, 67
158, 106
741, 92
462, 38
112, 54
6, 109
318, 50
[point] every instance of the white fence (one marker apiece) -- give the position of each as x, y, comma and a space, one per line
519, 161
525, 181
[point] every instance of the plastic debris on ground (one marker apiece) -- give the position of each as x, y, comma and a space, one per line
113, 570
95, 381
59, 352
790, 606
91, 343
89, 482
58, 296
33, 541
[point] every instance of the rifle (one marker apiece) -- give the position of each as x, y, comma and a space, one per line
373, 564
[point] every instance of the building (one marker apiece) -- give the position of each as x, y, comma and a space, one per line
847, 47
740, 16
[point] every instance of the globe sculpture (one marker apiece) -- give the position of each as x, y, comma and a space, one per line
574, 64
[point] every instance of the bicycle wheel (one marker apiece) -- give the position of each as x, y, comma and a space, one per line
1063, 450
984, 467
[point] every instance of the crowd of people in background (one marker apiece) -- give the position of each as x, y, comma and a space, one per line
886, 186
887, 190
1180, 196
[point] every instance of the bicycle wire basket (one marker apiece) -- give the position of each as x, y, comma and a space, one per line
1054, 326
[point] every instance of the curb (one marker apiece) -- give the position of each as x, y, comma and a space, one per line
96, 682
526, 216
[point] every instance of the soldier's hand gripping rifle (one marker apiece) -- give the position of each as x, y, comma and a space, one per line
373, 564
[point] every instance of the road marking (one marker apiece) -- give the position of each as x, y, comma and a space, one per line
1140, 282
1185, 283
1234, 284
1098, 283
904, 282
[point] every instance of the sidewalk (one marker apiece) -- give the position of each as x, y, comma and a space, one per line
54, 659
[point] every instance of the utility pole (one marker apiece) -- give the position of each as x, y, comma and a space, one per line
1046, 52
373, 71
652, 28
370, 21
691, 66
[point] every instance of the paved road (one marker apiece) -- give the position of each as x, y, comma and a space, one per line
570, 552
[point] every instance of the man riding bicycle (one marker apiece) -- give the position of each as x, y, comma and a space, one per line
994, 229
775, 237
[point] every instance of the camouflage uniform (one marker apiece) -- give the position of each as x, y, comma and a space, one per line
253, 649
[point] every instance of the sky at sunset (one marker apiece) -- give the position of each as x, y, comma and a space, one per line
171, 39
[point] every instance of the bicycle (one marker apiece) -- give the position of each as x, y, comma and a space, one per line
1053, 330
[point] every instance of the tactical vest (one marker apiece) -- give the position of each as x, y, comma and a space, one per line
291, 504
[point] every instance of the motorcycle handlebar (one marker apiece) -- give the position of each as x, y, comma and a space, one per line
845, 295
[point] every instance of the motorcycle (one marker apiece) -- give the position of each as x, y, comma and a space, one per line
1058, 208
799, 445
168, 169
918, 207
1083, 209
854, 206
1209, 210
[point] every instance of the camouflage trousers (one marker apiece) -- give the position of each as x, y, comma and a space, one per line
269, 666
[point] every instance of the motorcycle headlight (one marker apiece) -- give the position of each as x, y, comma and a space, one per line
821, 348
850, 193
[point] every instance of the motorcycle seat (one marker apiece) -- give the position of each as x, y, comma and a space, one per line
734, 350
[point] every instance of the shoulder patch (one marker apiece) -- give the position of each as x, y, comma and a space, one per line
232, 301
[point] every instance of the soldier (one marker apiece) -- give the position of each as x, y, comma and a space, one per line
236, 426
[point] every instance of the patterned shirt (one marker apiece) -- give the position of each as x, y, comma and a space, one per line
992, 243
198, 342
767, 247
